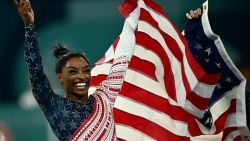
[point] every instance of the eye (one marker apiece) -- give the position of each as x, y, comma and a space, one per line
86, 71
72, 71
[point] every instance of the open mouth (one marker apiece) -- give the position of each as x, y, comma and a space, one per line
81, 85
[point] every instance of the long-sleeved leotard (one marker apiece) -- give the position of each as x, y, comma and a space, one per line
64, 116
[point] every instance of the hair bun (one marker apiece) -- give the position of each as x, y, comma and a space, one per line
60, 50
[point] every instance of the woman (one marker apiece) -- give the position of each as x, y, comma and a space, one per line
74, 114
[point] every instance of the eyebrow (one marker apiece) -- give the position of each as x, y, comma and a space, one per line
86, 67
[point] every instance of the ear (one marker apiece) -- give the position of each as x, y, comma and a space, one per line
59, 77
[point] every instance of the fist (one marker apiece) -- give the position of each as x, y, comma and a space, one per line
25, 10
196, 14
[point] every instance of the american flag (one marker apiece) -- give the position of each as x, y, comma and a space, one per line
175, 86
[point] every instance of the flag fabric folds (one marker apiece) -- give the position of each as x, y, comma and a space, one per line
175, 86
226, 108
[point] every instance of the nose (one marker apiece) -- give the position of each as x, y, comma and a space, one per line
82, 75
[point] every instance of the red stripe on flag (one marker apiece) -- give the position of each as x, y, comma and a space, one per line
153, 101
147, 127
139, 65
127, 7
220, 122
119, 139
198, 101
193, 127
233, 106
238, 138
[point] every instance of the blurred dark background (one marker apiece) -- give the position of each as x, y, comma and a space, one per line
90, 26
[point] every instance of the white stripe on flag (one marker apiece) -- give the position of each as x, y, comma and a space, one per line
130, 134
204, 90
232, 120
133, 18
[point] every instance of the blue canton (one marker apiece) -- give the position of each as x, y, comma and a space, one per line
64, 116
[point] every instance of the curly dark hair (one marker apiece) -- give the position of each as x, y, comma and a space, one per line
63, 54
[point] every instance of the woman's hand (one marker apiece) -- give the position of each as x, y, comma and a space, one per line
196, 14
25, 10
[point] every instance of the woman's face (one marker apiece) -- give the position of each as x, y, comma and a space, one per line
75, 77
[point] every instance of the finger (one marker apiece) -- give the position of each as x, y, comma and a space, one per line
199, 11
27, 9
196, 14
191, 13
15, 3
188, 16
23, 4
27, 1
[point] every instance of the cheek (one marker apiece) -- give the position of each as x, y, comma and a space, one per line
66, 81
68, 86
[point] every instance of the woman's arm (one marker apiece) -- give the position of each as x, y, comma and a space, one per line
41, 88
112, 85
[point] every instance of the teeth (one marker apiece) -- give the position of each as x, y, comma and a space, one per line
80, 84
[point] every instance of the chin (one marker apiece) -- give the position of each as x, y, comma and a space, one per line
81, 93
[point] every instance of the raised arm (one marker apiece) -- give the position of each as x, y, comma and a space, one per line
40, 85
